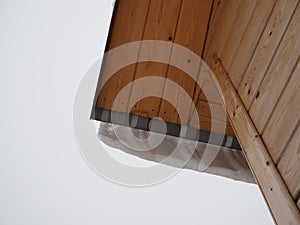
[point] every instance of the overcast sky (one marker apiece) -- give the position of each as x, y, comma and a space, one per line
45, 49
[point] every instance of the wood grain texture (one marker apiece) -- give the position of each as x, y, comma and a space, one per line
240, 22
224, 27
279, 200
209, 106
289, 165
208, 92
128, 25
277, 75
161, 25
265, 50
191, 32
204, 109
250, 40
284, 118
184, 22
215, 19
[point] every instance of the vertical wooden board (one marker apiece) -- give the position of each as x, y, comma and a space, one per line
177, 95
209, 91
215, 19
240, 22
209, 95
128, 22
112, 87
127, 26
191, 32
224, 27
284, 118
250, 40
277, 75
265, 50
209, 109
289, 165
161, 25
205, 118
192, 24
203, 73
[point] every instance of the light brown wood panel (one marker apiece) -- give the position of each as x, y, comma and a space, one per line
215, 19
142, 89
209, 91
205, 90
277, 75
265, 50
224, 26
128, 25
250, 40
284, 118
289, 165
128, 22
237, 30
162, 23
209, 107
271, 184
190, 33
205, 118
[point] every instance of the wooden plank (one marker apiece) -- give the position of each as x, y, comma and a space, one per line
161, 25
268, 178
191, 32
215, 19
240, 21
209, 91
198, 93
209, 109
265, 50
224, 26
284, 118
250, 40
205, 118
289, 165
277, 75
128, 15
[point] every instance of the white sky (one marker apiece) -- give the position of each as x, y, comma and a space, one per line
45, 49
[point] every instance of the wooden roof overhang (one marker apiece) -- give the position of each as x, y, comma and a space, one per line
181, 22
253, 48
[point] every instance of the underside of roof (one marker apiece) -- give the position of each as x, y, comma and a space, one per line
248, 86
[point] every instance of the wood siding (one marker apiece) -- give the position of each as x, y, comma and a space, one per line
257, 44
184, 22
264, 68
